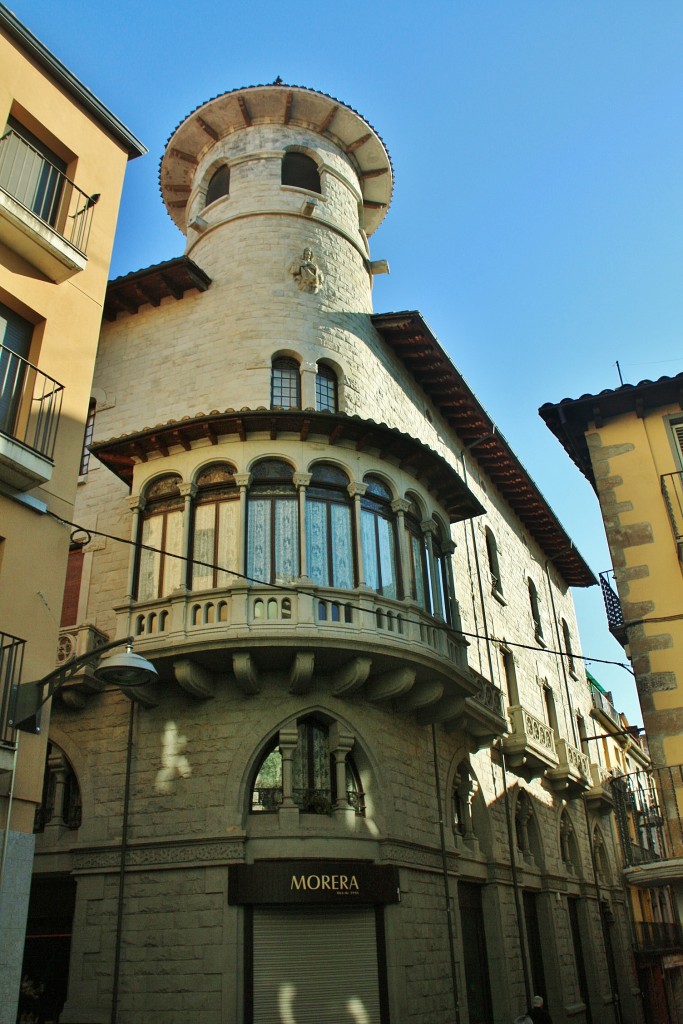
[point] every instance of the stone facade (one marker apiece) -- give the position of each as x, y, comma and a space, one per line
409, 687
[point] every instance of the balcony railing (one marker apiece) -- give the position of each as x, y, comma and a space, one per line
42, 189
658, 936
672, 491
30, 403
648, 814
11, 660
603, 704
615, 616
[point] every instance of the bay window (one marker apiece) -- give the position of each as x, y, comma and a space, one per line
161, 527
378, 538
216, 522
273, 523
329, 537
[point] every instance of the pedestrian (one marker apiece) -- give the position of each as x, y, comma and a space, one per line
538, 1013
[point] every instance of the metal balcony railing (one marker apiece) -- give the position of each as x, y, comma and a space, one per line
658, 936
648, 806
672, 491
11, 660
30, 403
615, 616
44, 190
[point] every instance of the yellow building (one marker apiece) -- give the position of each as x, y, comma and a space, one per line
629, 444
62, 160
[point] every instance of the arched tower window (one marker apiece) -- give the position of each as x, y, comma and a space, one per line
378, 538
273, 523
301, 171
219, 185
216, 522
285, 384
61, 799
326, 389
161, 527
329, 537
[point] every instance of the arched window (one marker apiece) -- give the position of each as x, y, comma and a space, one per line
314, 787
216, 523
329, 537
219, 185
566, 636
463, 795
326, 389
61, 799
378, 538
443, 548
568, 850
273, 523
419, 563
301, 171
535, 612
285, 384
161, 527
494, 564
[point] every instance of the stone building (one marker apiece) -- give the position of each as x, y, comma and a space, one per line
628, 443
362, 788
62, 160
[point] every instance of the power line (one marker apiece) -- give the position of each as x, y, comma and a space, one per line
290, 588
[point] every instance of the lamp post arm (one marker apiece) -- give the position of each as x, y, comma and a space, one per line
28, 698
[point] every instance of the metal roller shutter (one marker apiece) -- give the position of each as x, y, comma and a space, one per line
315, 966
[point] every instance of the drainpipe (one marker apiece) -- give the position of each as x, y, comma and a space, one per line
515, 882
565, 677
446, 886
122, 871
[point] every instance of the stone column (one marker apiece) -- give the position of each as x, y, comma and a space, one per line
187, 492
309, 372
301, 481
137, 506
243, 480
341, 744
400, 506
356, 491
428, 527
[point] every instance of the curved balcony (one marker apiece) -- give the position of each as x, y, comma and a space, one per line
349, 641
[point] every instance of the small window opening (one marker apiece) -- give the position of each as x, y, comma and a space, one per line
301, 171
219, 185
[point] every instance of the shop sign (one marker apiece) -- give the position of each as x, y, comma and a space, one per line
313, 881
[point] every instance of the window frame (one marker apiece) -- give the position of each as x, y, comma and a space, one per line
282, 369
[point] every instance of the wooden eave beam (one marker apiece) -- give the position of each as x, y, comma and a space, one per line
206, 127
246, 116
357, 143
375, 172
327, 120
174, 288
288, 108
179, 438
336, 434
179, 154
305, 430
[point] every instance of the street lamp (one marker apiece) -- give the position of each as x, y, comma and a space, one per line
126, 671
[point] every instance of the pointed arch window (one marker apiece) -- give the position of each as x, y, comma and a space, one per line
219, 185
326, 389
567, 638
494, 563
300, 170
535, 612
216, 526
329, 528
314, 786
285, 384
378, 538
159, 570
61, 800
273, 523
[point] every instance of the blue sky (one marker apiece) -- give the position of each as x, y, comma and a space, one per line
537, 221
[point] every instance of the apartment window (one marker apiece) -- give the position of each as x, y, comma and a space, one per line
215, 528
326, 391
535, 612
285, 387
550, 709
219, 185
15, 342
494, 565
87, 437
566, 636
161, 527
510, 674
301, 171
314, 776
31, 172
329, 526
378, 538
273, 523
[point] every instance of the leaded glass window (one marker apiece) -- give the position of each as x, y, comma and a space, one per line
326, 389
273, 523
329, 537
285, 388
378, 537
216, 521
160, 569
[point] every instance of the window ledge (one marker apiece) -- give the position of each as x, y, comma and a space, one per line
38, 243
21, 467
